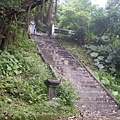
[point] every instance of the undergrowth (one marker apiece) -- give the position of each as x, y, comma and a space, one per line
112, 82
23, 94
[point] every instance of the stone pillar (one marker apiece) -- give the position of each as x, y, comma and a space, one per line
53, 30
51, 87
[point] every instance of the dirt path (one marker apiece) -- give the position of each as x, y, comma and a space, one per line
95, 102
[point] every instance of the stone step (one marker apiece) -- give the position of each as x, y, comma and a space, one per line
94, 100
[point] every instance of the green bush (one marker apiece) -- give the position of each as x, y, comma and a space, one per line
111, 82
66, 94
107, 56
9, 65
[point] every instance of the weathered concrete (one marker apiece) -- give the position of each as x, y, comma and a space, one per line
51, 87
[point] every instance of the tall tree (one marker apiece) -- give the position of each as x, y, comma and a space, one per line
113, 13
49, 14
10, 12
107, 22
74, 14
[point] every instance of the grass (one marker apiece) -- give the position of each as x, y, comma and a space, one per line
23, 94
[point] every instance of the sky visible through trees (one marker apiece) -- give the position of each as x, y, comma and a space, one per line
101, 3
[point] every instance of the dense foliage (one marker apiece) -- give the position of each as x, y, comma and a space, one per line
97, 27
74, 14
16, 14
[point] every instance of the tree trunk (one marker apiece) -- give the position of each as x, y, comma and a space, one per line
7, 15
49, 14
26, 25
14, 37
55, 8
37, 17
4, 43
42, 11
25, 28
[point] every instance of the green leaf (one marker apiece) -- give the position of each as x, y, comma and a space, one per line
115, 93
94, 54
9, 100
101, 57
97, 75
109, 59
17, 72
7, 85
9, 68
105, 81
96, 60
92, 47
15, 67
112, 69
99, 65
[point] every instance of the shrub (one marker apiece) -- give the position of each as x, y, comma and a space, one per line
66, 94
9, 65
107, 55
